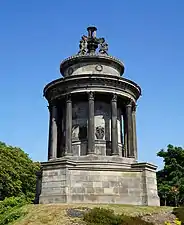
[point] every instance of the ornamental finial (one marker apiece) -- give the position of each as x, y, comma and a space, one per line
89, 44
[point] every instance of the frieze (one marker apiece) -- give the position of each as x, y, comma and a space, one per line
63, 87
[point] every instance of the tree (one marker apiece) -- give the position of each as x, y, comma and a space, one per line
17, 172
171, 178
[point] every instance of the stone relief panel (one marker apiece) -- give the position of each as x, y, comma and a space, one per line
79, 121
102, 121
100, 131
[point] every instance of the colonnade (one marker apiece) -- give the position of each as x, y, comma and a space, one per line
129, 118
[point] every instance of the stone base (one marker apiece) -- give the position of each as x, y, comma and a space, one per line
99, 180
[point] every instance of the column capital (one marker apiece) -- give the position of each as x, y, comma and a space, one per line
114, 98
130, 103
52, 104
51, 107
68, 98
90, 95
134, 107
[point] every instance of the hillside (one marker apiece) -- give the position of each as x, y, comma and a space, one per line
58, 214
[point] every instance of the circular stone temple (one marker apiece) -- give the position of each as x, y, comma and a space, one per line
92, 153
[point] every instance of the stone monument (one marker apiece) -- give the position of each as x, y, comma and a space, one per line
92, 153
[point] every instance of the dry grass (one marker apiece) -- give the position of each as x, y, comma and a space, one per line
55, 214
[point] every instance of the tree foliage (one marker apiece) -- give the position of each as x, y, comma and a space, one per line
17, 172
171, 178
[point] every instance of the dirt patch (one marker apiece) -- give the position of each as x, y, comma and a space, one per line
160, 218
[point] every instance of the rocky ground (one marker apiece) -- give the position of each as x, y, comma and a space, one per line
160, 218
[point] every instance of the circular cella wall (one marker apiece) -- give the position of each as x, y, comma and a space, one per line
91, 65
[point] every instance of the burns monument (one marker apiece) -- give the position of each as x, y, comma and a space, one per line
92, 152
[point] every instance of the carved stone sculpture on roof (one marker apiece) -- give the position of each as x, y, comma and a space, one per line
89, 44
83, 45
103, 46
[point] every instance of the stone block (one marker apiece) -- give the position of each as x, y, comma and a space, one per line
105, 184
89, 190
77, 190
99, 190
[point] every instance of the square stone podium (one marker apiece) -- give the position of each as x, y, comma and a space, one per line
95, 179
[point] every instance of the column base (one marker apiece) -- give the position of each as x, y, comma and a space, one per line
91, 153
115, 154
52, 159
68, 154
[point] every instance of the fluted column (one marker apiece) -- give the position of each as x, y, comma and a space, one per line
125, 154
91, 128
130, 152
68, 125
134, 131
52, 148
114, 128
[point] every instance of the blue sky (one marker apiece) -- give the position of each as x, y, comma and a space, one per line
35, 36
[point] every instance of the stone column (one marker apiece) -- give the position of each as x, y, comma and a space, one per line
134, 131
91, 126
68, 126
125, 154
130, 152
114, 128
52, 149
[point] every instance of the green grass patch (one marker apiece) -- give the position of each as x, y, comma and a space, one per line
53, 214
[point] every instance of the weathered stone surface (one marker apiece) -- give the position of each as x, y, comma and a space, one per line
74, 184
92, 144
90, 68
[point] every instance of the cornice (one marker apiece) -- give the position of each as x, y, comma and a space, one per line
62, 86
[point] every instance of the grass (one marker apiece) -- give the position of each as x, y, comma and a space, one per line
55, 214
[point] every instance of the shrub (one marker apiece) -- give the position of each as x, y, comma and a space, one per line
10, 209
11, 202
11, 215
101, 216
179, 213
17, 172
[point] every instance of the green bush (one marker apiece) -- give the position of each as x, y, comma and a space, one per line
11, 202
179, 213
11, 215
11, 209
17, 172
101, 216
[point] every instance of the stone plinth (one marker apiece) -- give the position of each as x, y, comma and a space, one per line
95, 179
